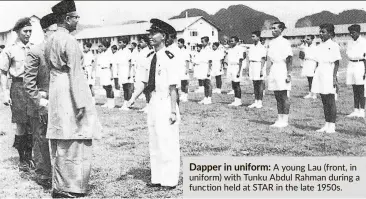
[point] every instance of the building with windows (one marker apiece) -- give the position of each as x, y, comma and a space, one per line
191, 29
295, 35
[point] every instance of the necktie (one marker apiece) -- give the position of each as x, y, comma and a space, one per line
151, 83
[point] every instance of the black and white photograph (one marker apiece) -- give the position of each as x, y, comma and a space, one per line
105, 99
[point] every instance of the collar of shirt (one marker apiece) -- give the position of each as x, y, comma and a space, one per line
21, 44
62, 29
161, 51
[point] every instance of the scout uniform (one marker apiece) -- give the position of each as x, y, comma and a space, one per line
104, 63
164, 136
309, 64
217, 55
88, 65
256, 52
123, 57
182, 58
356, 51
36, 80
13, 60
71, 138
327, 53
233, 57
279, 49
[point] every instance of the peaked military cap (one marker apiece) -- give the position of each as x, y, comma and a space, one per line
21, 23
64, 7
48, 20
158, 25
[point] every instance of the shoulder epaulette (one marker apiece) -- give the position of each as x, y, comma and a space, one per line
148, 55
170, 55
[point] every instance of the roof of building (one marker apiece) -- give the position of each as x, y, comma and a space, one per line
179, 24
313, 30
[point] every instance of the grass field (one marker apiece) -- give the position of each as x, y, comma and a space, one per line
121, 159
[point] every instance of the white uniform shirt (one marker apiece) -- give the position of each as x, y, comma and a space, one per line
165, 73
143, 64
235, 54
310, 51
356, 49
88, 66
123, 58
279, 49
327, 52
256, 52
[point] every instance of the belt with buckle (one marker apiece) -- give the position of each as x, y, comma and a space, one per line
357, 60
17, 79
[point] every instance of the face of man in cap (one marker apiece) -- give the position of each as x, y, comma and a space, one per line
24, 34
72, 20
156, 38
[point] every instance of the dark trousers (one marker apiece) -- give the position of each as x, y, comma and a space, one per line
218, 81
258, 89
41, 146
109, 91
237, 89
208, 88
358, 96
116, 84
200, 82
147, 95
283, 103
329, 106
310, 81
127, 91
184, 86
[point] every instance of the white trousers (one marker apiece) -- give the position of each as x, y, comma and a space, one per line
163, 141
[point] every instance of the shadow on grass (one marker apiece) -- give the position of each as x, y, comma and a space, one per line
138, 174
261, 122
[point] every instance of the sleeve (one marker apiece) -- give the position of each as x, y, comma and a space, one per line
30, 76
336, 53
5, 60
77, 77
173, 76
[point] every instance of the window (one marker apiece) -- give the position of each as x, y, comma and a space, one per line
213, 33
194, 33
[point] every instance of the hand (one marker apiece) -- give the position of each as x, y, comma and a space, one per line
129, 77
130, 103
43, 102
80, 114
261, 74
173, 118
288, 79
238, 75
7, 100
208, 74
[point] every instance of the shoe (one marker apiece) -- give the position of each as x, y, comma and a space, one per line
24, 166
153, 184
325, 127
254, 105
44, 182
361, 113
276, 124
282, 125
202, 101
353, 114
124, 108
307, 96
259, 104
143, 110
314, 96
231, 93
235, 104
63, 194
167, 188
208, 101
331, 128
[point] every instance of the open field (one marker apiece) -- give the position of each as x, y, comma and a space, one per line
121, 159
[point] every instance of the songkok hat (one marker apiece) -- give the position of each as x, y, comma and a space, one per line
48, 20
64, 7
21, 23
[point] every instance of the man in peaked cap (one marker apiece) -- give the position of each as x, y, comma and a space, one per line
163, 113
73, 122
12, 63
36, 81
